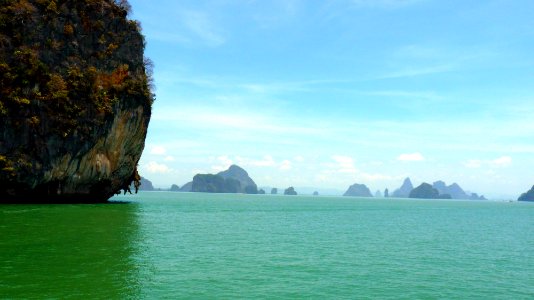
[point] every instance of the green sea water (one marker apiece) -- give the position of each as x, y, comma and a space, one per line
186, 245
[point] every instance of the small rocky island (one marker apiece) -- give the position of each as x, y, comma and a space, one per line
358, 190
75, 100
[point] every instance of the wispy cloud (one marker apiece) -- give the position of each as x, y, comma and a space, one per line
201, 25
158, 150
411, 157
156, 168
417, 71
503, 161
344, 164
385, 4
500, 162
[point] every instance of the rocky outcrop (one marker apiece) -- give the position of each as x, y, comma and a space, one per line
358, 190
426, 191
174, 188
404, 190
378, 194
386, 193
316, 193
274, 191
188, 187
528, 196
75, 101
290, 191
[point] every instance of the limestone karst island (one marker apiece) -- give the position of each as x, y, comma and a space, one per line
75, 100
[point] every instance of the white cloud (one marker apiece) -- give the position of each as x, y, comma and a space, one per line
473, 164
156, 168
224, 163
169, 158
500, 162
285, 165
411, 157
158, 150
503, 161
386, 4
201, 25
344, 164
299, 158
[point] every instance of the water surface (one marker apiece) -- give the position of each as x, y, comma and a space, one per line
169, 245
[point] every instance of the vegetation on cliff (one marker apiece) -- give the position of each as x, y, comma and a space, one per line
68, 70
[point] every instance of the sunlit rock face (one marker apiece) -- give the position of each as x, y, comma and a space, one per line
75, 100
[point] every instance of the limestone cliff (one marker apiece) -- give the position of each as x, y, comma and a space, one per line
75, 100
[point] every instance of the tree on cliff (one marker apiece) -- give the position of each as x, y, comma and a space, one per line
75, 99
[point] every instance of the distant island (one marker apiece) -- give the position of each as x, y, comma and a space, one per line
528, 196
426, 191
236, 180
404, 190
454, 191
290, 191
233, 180
358, 190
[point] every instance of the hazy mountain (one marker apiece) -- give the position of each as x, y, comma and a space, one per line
528, 196
455, 191
404, 190
188, 187
358, 190
174, 188
247, 185
426, 191
290, 191
146, 185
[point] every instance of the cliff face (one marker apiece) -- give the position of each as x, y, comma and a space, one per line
75, 101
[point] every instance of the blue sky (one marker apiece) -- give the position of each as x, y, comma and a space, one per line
330, 93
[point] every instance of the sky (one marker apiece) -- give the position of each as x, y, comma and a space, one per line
326, 94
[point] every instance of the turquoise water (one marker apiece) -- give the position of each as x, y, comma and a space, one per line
182, 245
